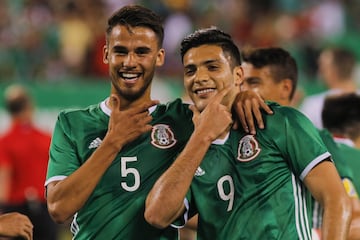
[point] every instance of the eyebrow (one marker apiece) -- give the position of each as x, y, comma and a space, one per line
252, 79
202, 63
122, 48
118, 48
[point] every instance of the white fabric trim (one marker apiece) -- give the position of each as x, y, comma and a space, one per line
54, 178
107, 110
185, 216
221, 141
346, 141
317, 160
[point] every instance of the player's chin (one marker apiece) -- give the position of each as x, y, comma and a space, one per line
201, 105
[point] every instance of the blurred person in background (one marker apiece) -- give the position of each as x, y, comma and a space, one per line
23, 162
75, 37
15, 225
341, 116
272, 72
336, 68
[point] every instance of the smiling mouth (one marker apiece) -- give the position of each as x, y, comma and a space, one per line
130, 76
204, 91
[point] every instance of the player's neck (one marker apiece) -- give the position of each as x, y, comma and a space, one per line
127, 104
347, 86
224, 134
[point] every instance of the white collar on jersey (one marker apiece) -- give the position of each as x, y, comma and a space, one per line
107, 110
346, 141
221, 141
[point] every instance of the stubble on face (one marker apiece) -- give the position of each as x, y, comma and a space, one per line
132, 52
207, 71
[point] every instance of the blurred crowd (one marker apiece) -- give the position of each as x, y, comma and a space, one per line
49, 40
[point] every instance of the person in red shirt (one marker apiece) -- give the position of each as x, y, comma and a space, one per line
24, 153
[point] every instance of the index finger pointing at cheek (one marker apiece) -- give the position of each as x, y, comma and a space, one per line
220, 95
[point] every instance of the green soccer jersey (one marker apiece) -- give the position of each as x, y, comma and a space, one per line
115, 210
339, 156
352, 158
251, 187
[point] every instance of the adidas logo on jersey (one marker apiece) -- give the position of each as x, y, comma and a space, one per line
95, 143
199, 172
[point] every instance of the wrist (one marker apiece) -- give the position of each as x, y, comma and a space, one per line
203, 137
111, 144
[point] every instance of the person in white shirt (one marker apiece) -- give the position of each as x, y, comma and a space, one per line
336, 70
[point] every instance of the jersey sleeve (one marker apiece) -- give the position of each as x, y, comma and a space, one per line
63, 158
182, 219
299, 141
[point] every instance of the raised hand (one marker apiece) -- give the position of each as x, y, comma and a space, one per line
16, 225
126, 125
215, 119
248, 104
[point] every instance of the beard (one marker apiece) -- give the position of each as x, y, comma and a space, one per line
130, 95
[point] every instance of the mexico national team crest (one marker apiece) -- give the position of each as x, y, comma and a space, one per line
162, 136
248, 148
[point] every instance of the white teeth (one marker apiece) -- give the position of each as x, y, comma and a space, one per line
129, 75
203, 91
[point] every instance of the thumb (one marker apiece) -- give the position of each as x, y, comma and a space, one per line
196, 113
115, 102
194, 110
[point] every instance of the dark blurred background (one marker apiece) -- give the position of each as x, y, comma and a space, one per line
55, 47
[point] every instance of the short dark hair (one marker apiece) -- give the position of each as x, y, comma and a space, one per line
213, 36
282, 65
341, 114
137, 16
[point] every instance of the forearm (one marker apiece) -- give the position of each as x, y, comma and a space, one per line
66, 197
2, 227
4, 184
165, 201
336, 219
354, 232
325, 185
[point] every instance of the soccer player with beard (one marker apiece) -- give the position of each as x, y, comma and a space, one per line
105, 158
245, 186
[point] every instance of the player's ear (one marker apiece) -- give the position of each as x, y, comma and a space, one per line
160, 58
238, 75
286, 88
105, 54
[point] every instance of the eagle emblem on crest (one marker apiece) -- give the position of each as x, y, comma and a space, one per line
248, 148
162, 136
